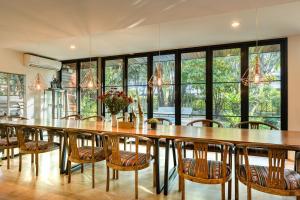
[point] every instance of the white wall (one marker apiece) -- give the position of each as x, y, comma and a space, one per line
294, 83
12, 62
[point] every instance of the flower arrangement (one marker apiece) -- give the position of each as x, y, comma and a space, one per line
115, 101
153, 121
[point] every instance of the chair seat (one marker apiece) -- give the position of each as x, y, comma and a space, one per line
214, 168
211, 147
85, 153
42, 145
12, 141
259, 176
129, 159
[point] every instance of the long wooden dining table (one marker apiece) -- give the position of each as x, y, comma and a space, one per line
290, 139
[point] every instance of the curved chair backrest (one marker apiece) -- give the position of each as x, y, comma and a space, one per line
76, 117
161, 120
255, 125
205, 123
94, 118
200, 151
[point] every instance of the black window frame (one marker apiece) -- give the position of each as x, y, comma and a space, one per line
243, 46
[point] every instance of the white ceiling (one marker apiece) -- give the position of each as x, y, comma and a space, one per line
49, 27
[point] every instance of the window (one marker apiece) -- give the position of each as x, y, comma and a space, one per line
164, 96
226, 86
88, 97
69, 83
265, 98
193, 86
12, 93
114, 75
137, 83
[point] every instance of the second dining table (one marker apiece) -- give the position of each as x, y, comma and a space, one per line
290, 139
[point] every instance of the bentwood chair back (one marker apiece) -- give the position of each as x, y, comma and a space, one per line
8, 141
205, 123
76, 117
35, 146
201, 170
272, 178
256, 125
94, 118
119, 160
83, 154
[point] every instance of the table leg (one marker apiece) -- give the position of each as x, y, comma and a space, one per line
156, 163
63, 155
169, 175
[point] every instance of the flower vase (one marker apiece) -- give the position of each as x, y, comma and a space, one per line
114, 121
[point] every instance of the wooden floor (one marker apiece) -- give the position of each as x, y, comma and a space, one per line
51, 185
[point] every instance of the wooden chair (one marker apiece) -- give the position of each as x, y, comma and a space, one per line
273, 178
8, 141
33, 147
76, 117
202, 170
83, 154
256, 125
205, 123
125, 160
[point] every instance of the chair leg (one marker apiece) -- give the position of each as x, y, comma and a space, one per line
69, 171
216, 156
32, 158
82, 167
298, 197
107, 179
93, 174
20, 162
8, 158
179, 184
36, 164
229, 189
125, 142
249, 193
117, 174
182, 189
223, 191
114, 174
136, 184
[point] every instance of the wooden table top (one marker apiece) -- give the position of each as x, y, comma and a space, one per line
233, 135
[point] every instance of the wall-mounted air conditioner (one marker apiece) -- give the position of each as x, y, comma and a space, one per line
36, 61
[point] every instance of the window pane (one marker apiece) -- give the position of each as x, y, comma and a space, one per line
88, 102
71, 101
193, 88
164, 97
137, 83
114, 72
141, 93
265, 98
68, 75
17, 94
3, 93
85, 67
226, 86
137, 71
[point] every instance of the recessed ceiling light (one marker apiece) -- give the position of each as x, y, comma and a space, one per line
72, 46
235, 24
